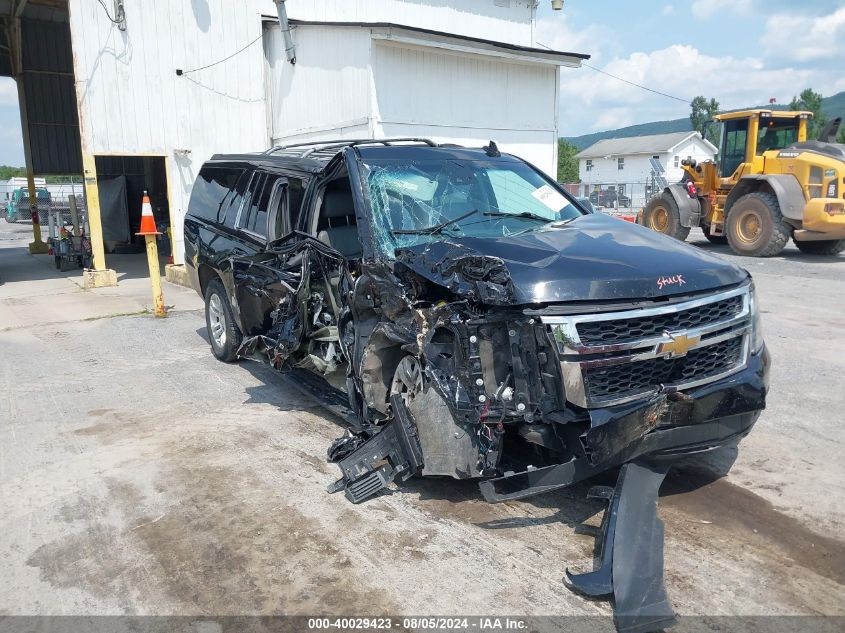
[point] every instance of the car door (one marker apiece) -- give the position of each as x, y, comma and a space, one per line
261, 278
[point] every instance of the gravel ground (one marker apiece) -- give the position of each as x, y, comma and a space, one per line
138, 475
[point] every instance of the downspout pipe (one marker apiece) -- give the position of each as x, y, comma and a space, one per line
290, 50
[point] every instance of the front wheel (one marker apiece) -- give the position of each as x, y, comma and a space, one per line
755, 226
661, 214
223, 333
822, 247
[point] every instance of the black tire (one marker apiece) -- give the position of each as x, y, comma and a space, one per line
755, 226
223, 333
713, 239
822, 247
661, 214
58, 261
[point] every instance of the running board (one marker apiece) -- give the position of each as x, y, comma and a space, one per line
631, 560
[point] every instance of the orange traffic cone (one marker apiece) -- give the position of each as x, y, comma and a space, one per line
148, 222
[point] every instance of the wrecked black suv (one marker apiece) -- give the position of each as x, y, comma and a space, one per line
467, 317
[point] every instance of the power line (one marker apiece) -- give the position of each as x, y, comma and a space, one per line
657, 92
598, 70
180, 72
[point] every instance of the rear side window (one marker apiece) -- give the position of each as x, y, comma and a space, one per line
257, 203
212, 192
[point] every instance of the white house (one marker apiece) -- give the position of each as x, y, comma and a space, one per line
142, 93
624, 164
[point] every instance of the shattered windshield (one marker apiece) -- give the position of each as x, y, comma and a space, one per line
415, 201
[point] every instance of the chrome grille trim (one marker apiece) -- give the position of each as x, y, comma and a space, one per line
576, 357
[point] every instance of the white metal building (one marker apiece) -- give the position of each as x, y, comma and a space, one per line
161, 85
626, 160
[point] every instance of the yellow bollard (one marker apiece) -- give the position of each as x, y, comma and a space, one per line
150, 233
155, 275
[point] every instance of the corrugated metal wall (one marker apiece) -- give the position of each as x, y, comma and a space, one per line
132, 101
328, 90
50, 97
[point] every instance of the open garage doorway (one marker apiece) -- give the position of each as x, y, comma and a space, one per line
122, 181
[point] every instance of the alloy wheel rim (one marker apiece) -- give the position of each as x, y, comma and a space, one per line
749, 226
407, 380
659, 219
217, 320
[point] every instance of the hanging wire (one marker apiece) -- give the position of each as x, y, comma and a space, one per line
220, 61
108, 15
598, 70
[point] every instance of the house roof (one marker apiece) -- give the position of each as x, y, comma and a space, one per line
639, 145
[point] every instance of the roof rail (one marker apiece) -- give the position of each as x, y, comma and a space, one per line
311, 147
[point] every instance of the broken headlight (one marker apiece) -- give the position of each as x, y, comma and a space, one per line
756, 324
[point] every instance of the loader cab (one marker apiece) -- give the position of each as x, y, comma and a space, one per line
746, 135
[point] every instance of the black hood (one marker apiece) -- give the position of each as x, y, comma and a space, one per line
594, 257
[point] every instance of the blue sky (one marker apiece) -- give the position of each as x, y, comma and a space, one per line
742, 52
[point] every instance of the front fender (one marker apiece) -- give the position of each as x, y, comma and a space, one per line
688, 208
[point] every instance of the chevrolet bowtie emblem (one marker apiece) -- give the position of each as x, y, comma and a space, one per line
678, 346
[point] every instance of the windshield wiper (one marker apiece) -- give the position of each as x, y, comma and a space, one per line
523, 214
433, 230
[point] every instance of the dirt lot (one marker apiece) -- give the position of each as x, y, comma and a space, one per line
138, 475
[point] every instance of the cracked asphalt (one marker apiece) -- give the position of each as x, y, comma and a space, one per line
138, 475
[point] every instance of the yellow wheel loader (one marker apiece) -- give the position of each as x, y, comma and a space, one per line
770, 184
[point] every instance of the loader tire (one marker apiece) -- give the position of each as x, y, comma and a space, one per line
661, 214
755, 226
822, 247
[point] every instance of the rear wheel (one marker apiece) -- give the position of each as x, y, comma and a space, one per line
661, 214
822, 247
223, 333
755, 226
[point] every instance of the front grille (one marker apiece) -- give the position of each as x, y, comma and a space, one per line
626, 330
646, 375
611, 358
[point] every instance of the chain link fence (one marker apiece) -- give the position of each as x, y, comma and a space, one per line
626, 197
52, 196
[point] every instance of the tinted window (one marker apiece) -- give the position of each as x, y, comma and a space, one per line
733, 146
295, 194
232, 204
210, 192
258, 221
251, 201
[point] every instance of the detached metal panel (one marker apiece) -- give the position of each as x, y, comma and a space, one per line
50, 97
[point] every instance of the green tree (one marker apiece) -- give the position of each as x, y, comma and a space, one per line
702, 112
567, 164
7, 172
840, 138
812, 101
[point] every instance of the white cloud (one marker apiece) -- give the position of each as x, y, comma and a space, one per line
591, 101
8, 92
704, 9
805, 38
556, 33
668, 10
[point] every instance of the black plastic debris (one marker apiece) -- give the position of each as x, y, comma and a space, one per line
631, 560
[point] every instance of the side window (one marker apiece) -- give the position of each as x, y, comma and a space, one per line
210, 192
295, 194
232, 204
258, 219
733, 146
252, 198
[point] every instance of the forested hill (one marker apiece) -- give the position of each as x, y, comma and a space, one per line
832, 106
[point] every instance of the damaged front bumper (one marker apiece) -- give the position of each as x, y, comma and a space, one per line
666, 427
